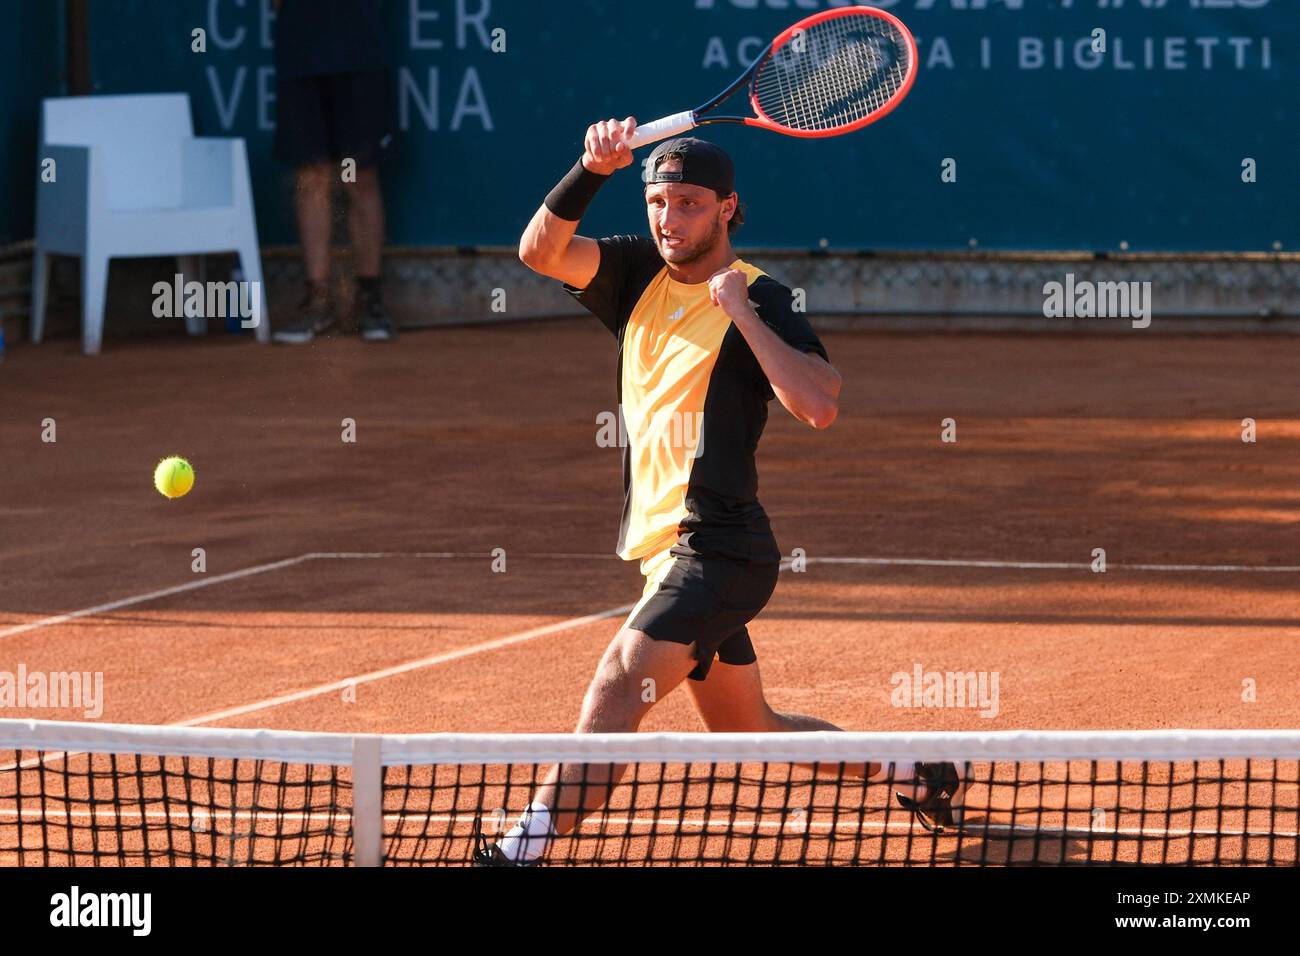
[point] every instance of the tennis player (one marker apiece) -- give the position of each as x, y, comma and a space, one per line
705, 341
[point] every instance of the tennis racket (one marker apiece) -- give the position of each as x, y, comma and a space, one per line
831, 73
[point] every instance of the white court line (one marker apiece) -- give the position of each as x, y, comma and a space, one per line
406, 668
548, 629
548, 555
727, 824
1234, 568
955, 563
263, 569
1060, 565
340, 685
481, 555
153, 595
899, 562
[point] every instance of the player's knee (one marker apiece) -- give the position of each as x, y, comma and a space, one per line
610, 708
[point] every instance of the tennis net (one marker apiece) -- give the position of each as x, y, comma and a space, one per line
119, 795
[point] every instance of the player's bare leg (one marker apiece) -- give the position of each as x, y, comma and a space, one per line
731, 700
634, 672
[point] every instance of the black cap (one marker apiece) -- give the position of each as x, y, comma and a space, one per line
702, 164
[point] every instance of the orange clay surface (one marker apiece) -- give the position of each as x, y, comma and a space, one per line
372, 561
474, 439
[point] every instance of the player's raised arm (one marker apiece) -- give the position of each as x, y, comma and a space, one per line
549, 245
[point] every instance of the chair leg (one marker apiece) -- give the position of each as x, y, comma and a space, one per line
250, 263
94, 292
189, 268
40, 293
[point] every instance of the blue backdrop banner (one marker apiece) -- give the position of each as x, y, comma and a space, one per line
31, 65
1034, 124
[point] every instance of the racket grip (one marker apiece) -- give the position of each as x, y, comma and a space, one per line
662, 129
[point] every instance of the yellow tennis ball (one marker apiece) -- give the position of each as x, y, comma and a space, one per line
173, 477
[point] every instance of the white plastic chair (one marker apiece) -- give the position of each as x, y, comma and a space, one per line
132, 179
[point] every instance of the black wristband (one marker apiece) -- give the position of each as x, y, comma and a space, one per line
574, 193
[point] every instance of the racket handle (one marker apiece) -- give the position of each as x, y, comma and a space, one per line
662, 129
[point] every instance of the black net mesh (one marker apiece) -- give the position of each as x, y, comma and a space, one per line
681, 804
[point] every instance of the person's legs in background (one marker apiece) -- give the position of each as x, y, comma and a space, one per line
336, 123
336, 128
366, 230
363, 131
312, 205
302, 139
312, 197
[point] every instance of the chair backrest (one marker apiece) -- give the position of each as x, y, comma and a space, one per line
138, 136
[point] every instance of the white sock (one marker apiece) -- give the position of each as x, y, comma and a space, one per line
527, 839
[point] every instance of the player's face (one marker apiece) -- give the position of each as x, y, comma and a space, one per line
686, 221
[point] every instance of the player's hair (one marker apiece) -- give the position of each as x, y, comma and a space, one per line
737, 218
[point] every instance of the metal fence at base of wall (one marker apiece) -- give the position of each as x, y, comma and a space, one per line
893, 291
888, 291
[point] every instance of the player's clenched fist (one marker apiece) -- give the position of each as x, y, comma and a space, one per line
729, 290
606, 148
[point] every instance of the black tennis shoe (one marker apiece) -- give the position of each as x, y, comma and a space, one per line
313, 318
943, 785
489, 854
374, 320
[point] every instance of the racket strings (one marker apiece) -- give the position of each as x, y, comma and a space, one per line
834, 74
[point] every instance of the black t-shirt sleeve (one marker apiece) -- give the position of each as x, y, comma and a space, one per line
624, 261
774, 304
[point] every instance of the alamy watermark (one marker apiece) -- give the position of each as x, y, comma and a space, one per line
209, 300
676, 429
954, 689
133, 911
1084, 299
62, 690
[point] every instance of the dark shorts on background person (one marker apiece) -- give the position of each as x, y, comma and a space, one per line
334, 116
705, 601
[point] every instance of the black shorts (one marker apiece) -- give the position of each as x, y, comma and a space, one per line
704, 601
334, 117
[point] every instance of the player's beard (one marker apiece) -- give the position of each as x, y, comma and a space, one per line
684, 256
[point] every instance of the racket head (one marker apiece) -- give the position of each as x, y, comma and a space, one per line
833, 72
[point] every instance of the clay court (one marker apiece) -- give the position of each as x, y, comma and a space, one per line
350, 587
329, 561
